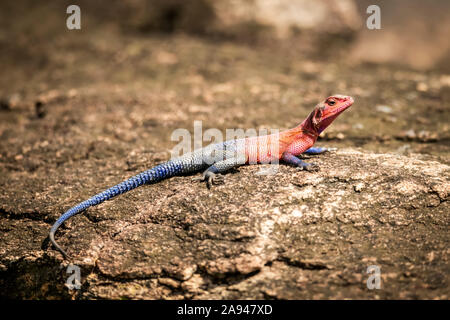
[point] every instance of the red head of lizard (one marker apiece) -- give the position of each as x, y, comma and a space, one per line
325, 113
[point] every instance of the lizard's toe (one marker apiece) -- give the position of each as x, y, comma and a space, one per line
209, 181
218, 179
198, 179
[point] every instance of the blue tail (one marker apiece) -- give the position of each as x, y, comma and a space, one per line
158, 173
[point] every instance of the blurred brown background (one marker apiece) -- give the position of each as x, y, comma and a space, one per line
314, 47
413, 32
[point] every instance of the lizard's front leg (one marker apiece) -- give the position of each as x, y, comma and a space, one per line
292, 159
296, 148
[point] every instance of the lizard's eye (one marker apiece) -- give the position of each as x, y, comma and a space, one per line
331, 103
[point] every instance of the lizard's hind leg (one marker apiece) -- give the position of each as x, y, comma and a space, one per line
212, 175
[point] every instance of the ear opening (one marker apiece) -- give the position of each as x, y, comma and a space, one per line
317, 116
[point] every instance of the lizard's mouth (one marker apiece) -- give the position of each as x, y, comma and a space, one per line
348, 103
335, 112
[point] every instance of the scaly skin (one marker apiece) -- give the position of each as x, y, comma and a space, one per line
220, 157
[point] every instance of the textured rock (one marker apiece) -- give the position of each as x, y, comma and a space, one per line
290, 235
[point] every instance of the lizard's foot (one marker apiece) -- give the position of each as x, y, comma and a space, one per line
309, 167
211, 178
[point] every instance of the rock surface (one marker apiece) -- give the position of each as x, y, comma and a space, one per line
289, 235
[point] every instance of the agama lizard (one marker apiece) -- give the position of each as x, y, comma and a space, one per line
220, 157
